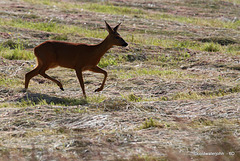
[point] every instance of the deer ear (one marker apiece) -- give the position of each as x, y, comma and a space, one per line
116, 28
109, 29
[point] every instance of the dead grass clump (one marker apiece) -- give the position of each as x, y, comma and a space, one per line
77, 143
114, 104
201, 122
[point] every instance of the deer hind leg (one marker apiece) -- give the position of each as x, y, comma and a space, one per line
42, 73
31, 74
99, 70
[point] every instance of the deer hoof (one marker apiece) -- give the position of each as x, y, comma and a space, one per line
97, 90
62, 88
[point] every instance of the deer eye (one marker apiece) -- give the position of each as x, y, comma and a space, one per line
117, 37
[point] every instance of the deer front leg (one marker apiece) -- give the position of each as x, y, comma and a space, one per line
99, 70
80, 78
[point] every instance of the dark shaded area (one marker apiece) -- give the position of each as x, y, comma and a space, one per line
134, 57
37, 98
220, 40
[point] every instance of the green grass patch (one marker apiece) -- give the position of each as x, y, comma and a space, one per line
211, 47
231, 1
111, 60
173, 60
149, 40
62, 30
120, 10
140, 13
25, 103
70, 110
148, 123
233, 49
93, 7
111, 9
132, 98
53, 27
194, 20
193, 95
6, 81
122, 74
63, 37
98, 98
17, 53
71, 29
187, 44
187, 96
108, 60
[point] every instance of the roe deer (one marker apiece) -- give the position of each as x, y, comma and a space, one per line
77, 56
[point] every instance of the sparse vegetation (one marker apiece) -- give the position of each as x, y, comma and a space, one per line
107, 61
15, 51
134, 98
150, 123
211, 47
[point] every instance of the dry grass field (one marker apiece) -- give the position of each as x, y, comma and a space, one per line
172, 94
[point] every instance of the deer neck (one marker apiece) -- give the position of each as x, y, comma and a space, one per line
103, 47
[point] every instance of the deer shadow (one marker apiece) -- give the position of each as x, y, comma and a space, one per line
38, 98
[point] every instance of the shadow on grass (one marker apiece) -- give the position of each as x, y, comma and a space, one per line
44, 99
